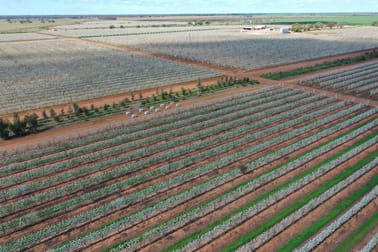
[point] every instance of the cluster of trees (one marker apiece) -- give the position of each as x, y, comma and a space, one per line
25, 21
199, 23
42, 20
19, 127
226, 82
79, 111
316, 26
375, 23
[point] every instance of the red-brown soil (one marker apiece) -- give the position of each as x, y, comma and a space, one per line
342, 234
366, 239
306, 221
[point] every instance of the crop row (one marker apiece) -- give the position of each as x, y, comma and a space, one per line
136, 140
371, 244
173, 121
90, 214
241, 216
351, 82
340, 80
373, 86
360, 80
320, 237
181, 150
302, 211
286, 168
160, 171
187, 217
348, 72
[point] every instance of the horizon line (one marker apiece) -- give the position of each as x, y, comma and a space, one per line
187, 14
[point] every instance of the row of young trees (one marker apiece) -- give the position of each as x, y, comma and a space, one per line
18, 127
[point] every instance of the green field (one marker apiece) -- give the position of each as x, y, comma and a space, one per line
343, 19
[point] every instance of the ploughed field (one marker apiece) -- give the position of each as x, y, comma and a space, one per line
50, 72
229, 47
361, 81
272, 169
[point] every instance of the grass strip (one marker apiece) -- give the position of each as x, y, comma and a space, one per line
321, 66
325, 220
298, 204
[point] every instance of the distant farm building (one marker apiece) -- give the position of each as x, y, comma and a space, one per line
259, 27
254, 28
284, 30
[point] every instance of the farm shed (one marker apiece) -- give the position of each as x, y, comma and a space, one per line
284, 30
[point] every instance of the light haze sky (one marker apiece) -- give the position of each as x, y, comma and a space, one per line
57, 7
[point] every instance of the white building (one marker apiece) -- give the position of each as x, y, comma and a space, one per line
284, 30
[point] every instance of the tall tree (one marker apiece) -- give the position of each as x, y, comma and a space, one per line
18, 127
4, 129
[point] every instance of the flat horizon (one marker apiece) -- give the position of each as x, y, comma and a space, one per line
177, 7
195, 14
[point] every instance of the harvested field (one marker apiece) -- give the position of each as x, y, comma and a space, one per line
229, 173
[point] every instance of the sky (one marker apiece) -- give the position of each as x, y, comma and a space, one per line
135, 7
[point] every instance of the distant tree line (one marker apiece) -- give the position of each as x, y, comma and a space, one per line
199, 23
18, 127
317, 26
